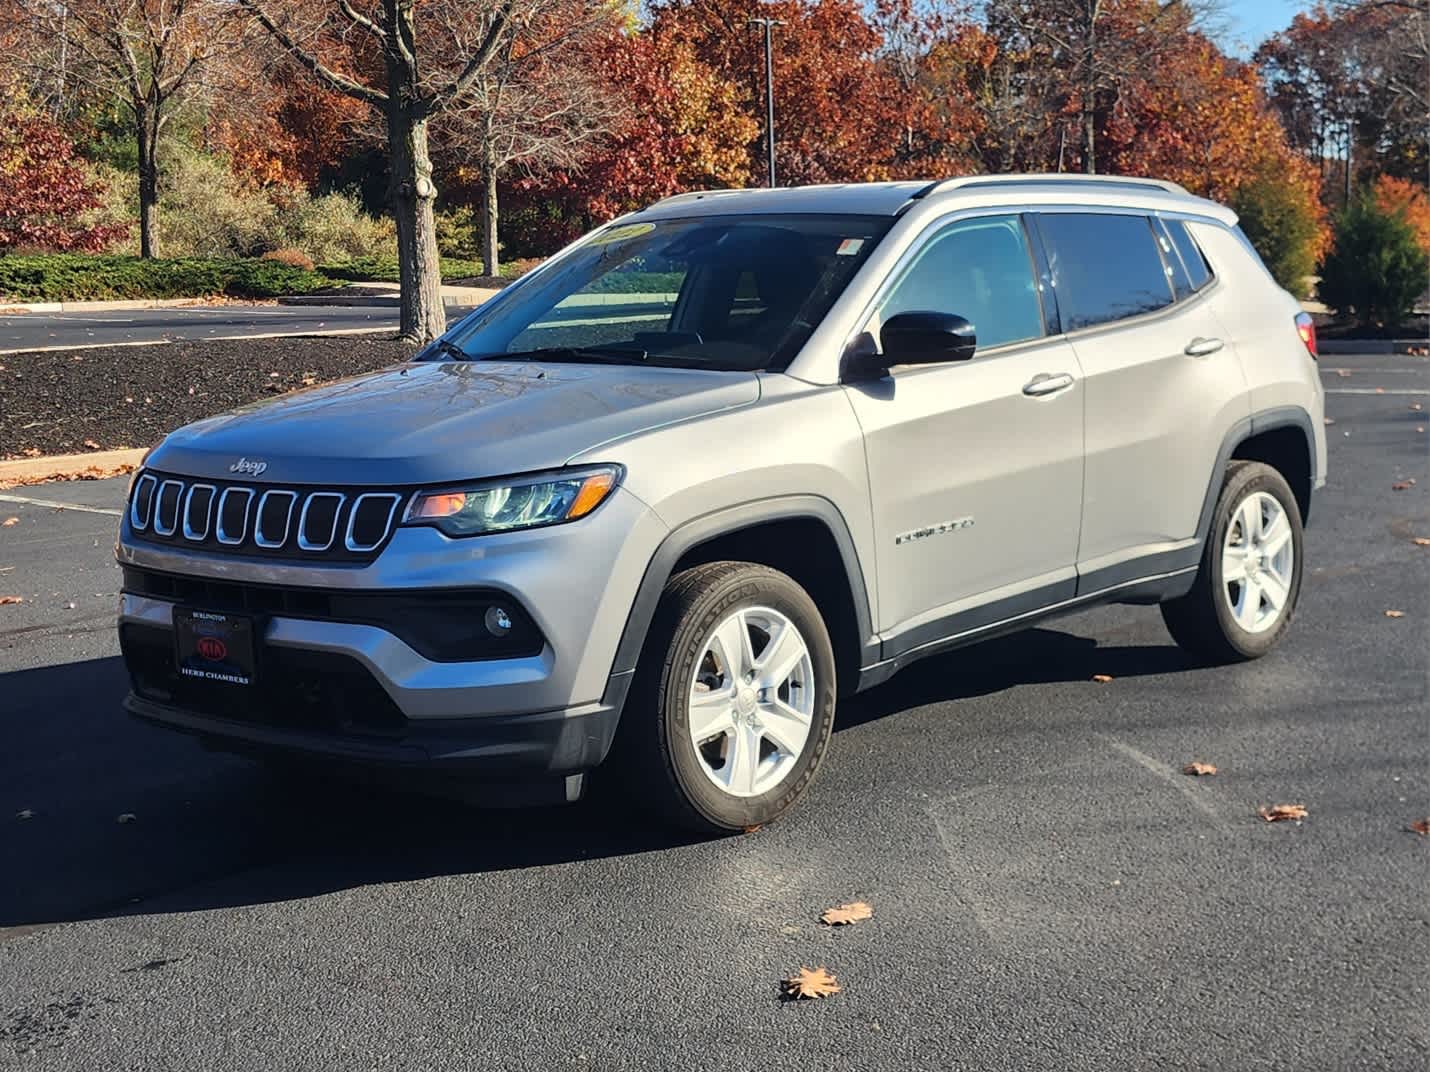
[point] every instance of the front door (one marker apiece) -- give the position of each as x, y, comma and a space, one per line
975, 467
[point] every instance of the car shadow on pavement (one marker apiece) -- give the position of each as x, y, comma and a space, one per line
101, 815
1031, 657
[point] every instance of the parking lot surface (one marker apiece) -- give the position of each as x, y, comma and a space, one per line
1049, 891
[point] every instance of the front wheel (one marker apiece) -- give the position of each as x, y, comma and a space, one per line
1245, 593
733, 704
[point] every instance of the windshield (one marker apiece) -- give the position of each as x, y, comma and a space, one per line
711, 292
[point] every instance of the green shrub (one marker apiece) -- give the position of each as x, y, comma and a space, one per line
458, 235
1376, 268
333, 228
76, 277
384, 269
1281, 223
206, 211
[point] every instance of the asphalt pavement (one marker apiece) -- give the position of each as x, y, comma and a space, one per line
1049, 891
30, 331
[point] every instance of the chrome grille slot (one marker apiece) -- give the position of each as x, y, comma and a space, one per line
273, 506
198, 507
318, 523
341, 524
166, 507
142, 503
233, 507
370, 520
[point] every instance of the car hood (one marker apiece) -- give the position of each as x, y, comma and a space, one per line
435, 422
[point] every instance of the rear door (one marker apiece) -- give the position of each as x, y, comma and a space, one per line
1162, 384
975, 467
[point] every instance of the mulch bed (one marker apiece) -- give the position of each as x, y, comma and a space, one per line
70, 401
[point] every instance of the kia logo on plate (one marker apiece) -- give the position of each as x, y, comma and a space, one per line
252, 468
212, 648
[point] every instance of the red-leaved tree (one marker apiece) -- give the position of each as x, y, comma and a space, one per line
44, 192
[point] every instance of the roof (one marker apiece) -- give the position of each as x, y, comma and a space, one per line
891, 198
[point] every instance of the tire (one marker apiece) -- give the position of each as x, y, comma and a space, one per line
1223, 621
664, 771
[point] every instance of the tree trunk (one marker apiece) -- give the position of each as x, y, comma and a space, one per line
146, 124
1089, 92
490, 263
412, 193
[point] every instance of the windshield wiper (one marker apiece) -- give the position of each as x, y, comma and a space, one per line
447, 348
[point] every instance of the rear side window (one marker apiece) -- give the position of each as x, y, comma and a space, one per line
1105, 267
1199, 274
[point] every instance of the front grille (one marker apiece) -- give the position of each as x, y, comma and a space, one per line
342, 524
292, 689
441, 625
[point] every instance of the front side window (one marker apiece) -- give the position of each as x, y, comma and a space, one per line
1105, 267
982, 270
713, 292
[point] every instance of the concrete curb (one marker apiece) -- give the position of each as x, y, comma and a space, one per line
119, 306
1370, 346
69, 466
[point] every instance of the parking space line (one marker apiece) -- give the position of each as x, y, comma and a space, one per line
25, 500
1174, 779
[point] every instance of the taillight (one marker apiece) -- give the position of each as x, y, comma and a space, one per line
1306, 328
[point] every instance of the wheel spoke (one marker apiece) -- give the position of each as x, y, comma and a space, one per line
1250, 514
733, 640
741, 761
1233, 565
1249, 605
1275, 589
785, 726
1276, 536
781, 655
711, 712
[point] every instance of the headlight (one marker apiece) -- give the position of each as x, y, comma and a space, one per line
514, 503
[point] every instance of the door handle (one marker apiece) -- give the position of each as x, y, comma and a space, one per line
1202, 347
1045, 383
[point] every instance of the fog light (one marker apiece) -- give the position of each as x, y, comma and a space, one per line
498, 621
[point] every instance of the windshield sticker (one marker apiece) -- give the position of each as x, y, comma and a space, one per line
849, 247
622, 234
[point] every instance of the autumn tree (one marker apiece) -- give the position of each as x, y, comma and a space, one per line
538, 106
45, 193
150, 56
413, 65
1072, 65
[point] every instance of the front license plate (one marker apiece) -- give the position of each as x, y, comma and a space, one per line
214, 647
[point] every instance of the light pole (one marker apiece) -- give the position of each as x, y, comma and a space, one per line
769, 25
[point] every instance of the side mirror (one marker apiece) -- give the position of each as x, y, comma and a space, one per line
923, 338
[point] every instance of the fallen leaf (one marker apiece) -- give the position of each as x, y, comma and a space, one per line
1102, 679
1395, 614
1421, 826
9, 522
846, 914
1420, 428
127, 817
1403, 485
1198, 769
1416, 406
1343, 373
1281, 812
753, 829
6, 601
1380, 390
1330, 420
1420, 541
91, 444
25, 814
810, 983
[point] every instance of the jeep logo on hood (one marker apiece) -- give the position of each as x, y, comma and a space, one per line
251, 468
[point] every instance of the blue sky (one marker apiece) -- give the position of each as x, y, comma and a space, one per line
1249, 22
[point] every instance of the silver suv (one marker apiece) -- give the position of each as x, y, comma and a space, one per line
657, 504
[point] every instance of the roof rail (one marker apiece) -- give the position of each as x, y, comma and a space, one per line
964, 182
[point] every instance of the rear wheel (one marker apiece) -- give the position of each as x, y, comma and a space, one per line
733, 704
1243, 599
